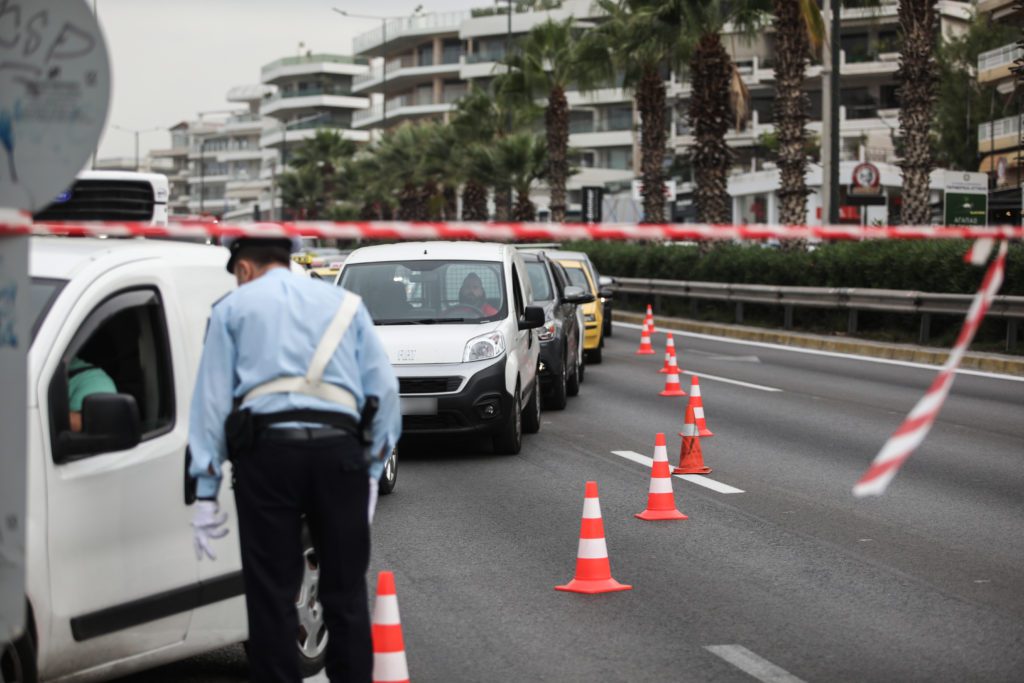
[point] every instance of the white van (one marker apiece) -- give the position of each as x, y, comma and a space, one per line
113, 583
461, 332
111, 196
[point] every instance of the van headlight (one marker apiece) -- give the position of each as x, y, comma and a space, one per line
547, 333
490, 345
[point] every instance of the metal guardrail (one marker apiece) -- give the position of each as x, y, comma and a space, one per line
851, 299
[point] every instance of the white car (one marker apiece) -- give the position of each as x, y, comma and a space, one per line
113, 583
461, 332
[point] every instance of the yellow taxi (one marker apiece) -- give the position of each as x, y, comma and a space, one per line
583, 274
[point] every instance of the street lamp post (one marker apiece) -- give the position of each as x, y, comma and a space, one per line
136, 132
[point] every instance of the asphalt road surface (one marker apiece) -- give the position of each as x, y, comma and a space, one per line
791, 579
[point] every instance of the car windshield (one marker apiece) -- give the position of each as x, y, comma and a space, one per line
578, 277
41, 294
429, 292
539, 279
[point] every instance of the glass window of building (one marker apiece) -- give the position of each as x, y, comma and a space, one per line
425, 55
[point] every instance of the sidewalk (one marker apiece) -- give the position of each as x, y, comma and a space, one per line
987, 362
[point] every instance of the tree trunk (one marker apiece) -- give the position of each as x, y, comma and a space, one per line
502, 198
451, 203
650, 101
524, 209
409, 203
791, 104
711, 69
916, 75
474, 201
556, 122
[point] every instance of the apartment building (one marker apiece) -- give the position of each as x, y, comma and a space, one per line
1000, 141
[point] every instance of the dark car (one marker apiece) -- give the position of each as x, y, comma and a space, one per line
561, 360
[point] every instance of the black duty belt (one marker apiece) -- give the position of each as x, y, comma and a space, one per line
333, 423
305, 433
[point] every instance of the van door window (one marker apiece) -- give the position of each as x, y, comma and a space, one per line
122, 347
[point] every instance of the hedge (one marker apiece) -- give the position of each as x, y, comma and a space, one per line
926, 266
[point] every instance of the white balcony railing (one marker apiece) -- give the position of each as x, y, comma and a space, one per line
1000, 128
1001, 56
398, 28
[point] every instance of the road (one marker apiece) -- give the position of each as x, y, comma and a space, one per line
793, 575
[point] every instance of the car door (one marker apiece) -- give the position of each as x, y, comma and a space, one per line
122, 565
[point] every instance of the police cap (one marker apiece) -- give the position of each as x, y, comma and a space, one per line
235, 244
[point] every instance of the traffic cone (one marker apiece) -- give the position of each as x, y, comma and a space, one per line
697, 403
672, 385
645, 342
593, 572
670, 355
649, 319
389, 664
691, 459
661, 502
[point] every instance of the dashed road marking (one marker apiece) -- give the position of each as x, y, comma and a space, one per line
749, 385
698, 479
748, 662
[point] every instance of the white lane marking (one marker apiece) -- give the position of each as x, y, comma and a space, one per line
319, 678
831, 354
698, 479
704, 375
748, 662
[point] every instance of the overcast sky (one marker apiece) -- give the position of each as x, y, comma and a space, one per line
174, 58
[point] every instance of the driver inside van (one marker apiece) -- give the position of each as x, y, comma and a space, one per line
472, 294
85, 379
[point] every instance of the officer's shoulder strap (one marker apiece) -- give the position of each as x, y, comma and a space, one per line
332, 337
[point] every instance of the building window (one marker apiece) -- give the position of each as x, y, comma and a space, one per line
425, 55
451, 51
619, 158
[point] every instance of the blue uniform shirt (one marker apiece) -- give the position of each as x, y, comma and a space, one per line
269, 328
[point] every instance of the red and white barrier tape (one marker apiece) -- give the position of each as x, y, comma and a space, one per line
508, 232
915, 427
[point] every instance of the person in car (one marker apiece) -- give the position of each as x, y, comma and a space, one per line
472, 294
85, 379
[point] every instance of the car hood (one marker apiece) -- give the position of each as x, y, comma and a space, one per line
438, 343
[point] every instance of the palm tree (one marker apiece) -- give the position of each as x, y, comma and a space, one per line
519, 159
318, 164
916, 75
719, 98
474, 122
798, 26
302, 192
549, 60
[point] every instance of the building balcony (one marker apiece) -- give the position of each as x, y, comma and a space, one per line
398, 34
1000, 134
290, 67
610, 137
399, 109
274, 137
308, 103
995, 65
402, 76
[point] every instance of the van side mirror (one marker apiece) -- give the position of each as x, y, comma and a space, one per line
110, 422
576, 295
533, 317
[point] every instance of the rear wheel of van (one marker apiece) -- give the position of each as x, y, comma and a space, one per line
18, 659
531, 412
509, 441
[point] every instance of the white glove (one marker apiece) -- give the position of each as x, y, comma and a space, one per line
207, 523
372, 507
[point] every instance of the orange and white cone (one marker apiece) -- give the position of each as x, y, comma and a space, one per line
672, 385
649, 319
645, 342
389, 664
670, 355
593, 571
691, 459
697, 403
661, 501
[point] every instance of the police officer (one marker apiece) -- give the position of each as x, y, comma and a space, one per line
290, 372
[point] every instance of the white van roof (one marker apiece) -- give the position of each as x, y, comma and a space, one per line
63, 257
429, 251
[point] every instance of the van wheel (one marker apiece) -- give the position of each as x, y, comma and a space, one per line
390, 475
575, 378
531, 412
509, 441
312, 635
556, 400
18, 659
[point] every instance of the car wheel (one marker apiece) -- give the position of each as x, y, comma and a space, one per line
531, 411
18, 660
575, 378
389, 477
594, 356
312, 636
608, 325
510, 440
556, 400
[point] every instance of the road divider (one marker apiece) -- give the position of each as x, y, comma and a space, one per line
691, 458
645, 342
389, 663
697, 404
748, 662
649, 319
671, 362
661, 500
593, 569
700, 480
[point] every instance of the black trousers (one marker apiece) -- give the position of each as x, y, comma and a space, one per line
277, 484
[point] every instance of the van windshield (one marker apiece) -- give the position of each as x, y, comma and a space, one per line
428, 292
